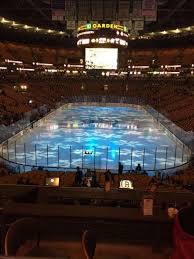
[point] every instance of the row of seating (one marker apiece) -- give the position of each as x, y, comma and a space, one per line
141, 182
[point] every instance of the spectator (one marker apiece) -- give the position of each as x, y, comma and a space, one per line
183, 234
107, 176
87, 180
94, 180
138, 168
120, 168
108, 180
78, 176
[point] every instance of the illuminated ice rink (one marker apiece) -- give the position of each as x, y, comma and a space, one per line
97, 137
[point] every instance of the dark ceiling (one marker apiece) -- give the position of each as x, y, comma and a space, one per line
171, 13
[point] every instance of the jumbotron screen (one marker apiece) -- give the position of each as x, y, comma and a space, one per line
101, 58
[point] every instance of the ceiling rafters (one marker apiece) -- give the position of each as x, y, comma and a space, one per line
171, 12
31, 2
178, 6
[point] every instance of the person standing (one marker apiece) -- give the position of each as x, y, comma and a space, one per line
79, 176
108, 180
120, 169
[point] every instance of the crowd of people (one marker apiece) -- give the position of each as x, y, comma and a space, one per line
89, 179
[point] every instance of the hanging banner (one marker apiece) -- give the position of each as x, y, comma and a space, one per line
58, 10
139, 25
137, 10
70, 25
123, 10
70, 10
84, 11
128, 24
58, 14
109, 10
148, 5
149, 10
97, 10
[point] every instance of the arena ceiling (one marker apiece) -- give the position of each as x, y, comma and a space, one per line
170, 13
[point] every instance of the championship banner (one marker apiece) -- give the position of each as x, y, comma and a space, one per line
149, 10
70, 25
128, 24
97, 10
151, 18
137, 10
109, 10
84, 12
58, 14
148, 5
58, 10
123, 10
139, 25
70, 10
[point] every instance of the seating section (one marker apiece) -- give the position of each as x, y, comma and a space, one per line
172, 97
179, 56
29, 54
180, 182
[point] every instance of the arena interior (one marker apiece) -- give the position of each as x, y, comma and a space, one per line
96, 129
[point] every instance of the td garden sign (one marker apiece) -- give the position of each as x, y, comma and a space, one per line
98, 26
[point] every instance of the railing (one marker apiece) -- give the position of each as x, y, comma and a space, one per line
173, 130
27, 157
24, 157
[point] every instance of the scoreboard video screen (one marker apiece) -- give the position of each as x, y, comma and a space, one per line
101, 58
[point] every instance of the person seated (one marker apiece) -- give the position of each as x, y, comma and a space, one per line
120, 168
138, 168
87, 180
88, 173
